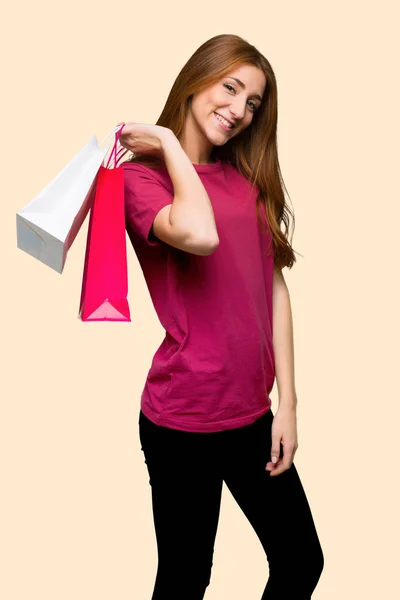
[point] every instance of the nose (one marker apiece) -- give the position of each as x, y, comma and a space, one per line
237, 110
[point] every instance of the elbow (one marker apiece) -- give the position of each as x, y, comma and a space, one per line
205, 247
211, 247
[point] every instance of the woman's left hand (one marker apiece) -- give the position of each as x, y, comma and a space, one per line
283, 431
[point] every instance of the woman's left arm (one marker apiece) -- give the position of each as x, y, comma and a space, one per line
284, 426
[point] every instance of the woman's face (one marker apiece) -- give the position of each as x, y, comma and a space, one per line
236, 101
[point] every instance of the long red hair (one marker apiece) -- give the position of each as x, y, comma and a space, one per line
254, 151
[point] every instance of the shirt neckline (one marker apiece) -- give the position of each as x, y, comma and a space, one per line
215, 166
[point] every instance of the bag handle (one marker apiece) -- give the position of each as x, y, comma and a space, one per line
123, 152
117, 131
113, 130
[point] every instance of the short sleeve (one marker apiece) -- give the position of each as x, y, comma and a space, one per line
145, 196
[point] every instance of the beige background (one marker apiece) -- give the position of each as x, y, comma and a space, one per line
76, 518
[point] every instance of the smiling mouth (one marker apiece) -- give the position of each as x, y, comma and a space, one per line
222, 124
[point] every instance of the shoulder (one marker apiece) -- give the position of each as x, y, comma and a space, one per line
151, 165
145, 185
135, 170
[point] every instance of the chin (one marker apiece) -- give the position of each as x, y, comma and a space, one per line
217, 140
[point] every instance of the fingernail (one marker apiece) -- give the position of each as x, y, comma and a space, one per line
274, 459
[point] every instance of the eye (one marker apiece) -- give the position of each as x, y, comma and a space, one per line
232, 88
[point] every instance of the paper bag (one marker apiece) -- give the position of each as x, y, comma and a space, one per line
105, 276
48, 224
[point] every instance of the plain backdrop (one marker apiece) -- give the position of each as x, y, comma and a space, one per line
75, 503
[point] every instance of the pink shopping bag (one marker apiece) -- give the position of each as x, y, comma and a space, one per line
105, 276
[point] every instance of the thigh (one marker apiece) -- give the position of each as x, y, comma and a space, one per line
186, 488
276, 507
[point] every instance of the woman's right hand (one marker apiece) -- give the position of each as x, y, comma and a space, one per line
141, 138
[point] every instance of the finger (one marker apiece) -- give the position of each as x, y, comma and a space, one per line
122, 143
283, 466
281, 469
275, 449
271, 466
283, 462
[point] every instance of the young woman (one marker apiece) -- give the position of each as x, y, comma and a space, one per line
204, 207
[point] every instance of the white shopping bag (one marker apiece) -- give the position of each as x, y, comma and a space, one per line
48, 224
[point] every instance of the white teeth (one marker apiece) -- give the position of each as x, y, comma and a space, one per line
224, 121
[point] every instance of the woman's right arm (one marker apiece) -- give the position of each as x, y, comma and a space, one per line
191, 214
188, 223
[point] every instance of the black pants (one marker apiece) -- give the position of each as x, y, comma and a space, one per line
186, 472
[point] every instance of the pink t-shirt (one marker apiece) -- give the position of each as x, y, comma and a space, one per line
215, 368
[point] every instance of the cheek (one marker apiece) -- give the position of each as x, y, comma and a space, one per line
217, 100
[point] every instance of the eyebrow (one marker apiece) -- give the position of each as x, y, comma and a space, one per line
244, 87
